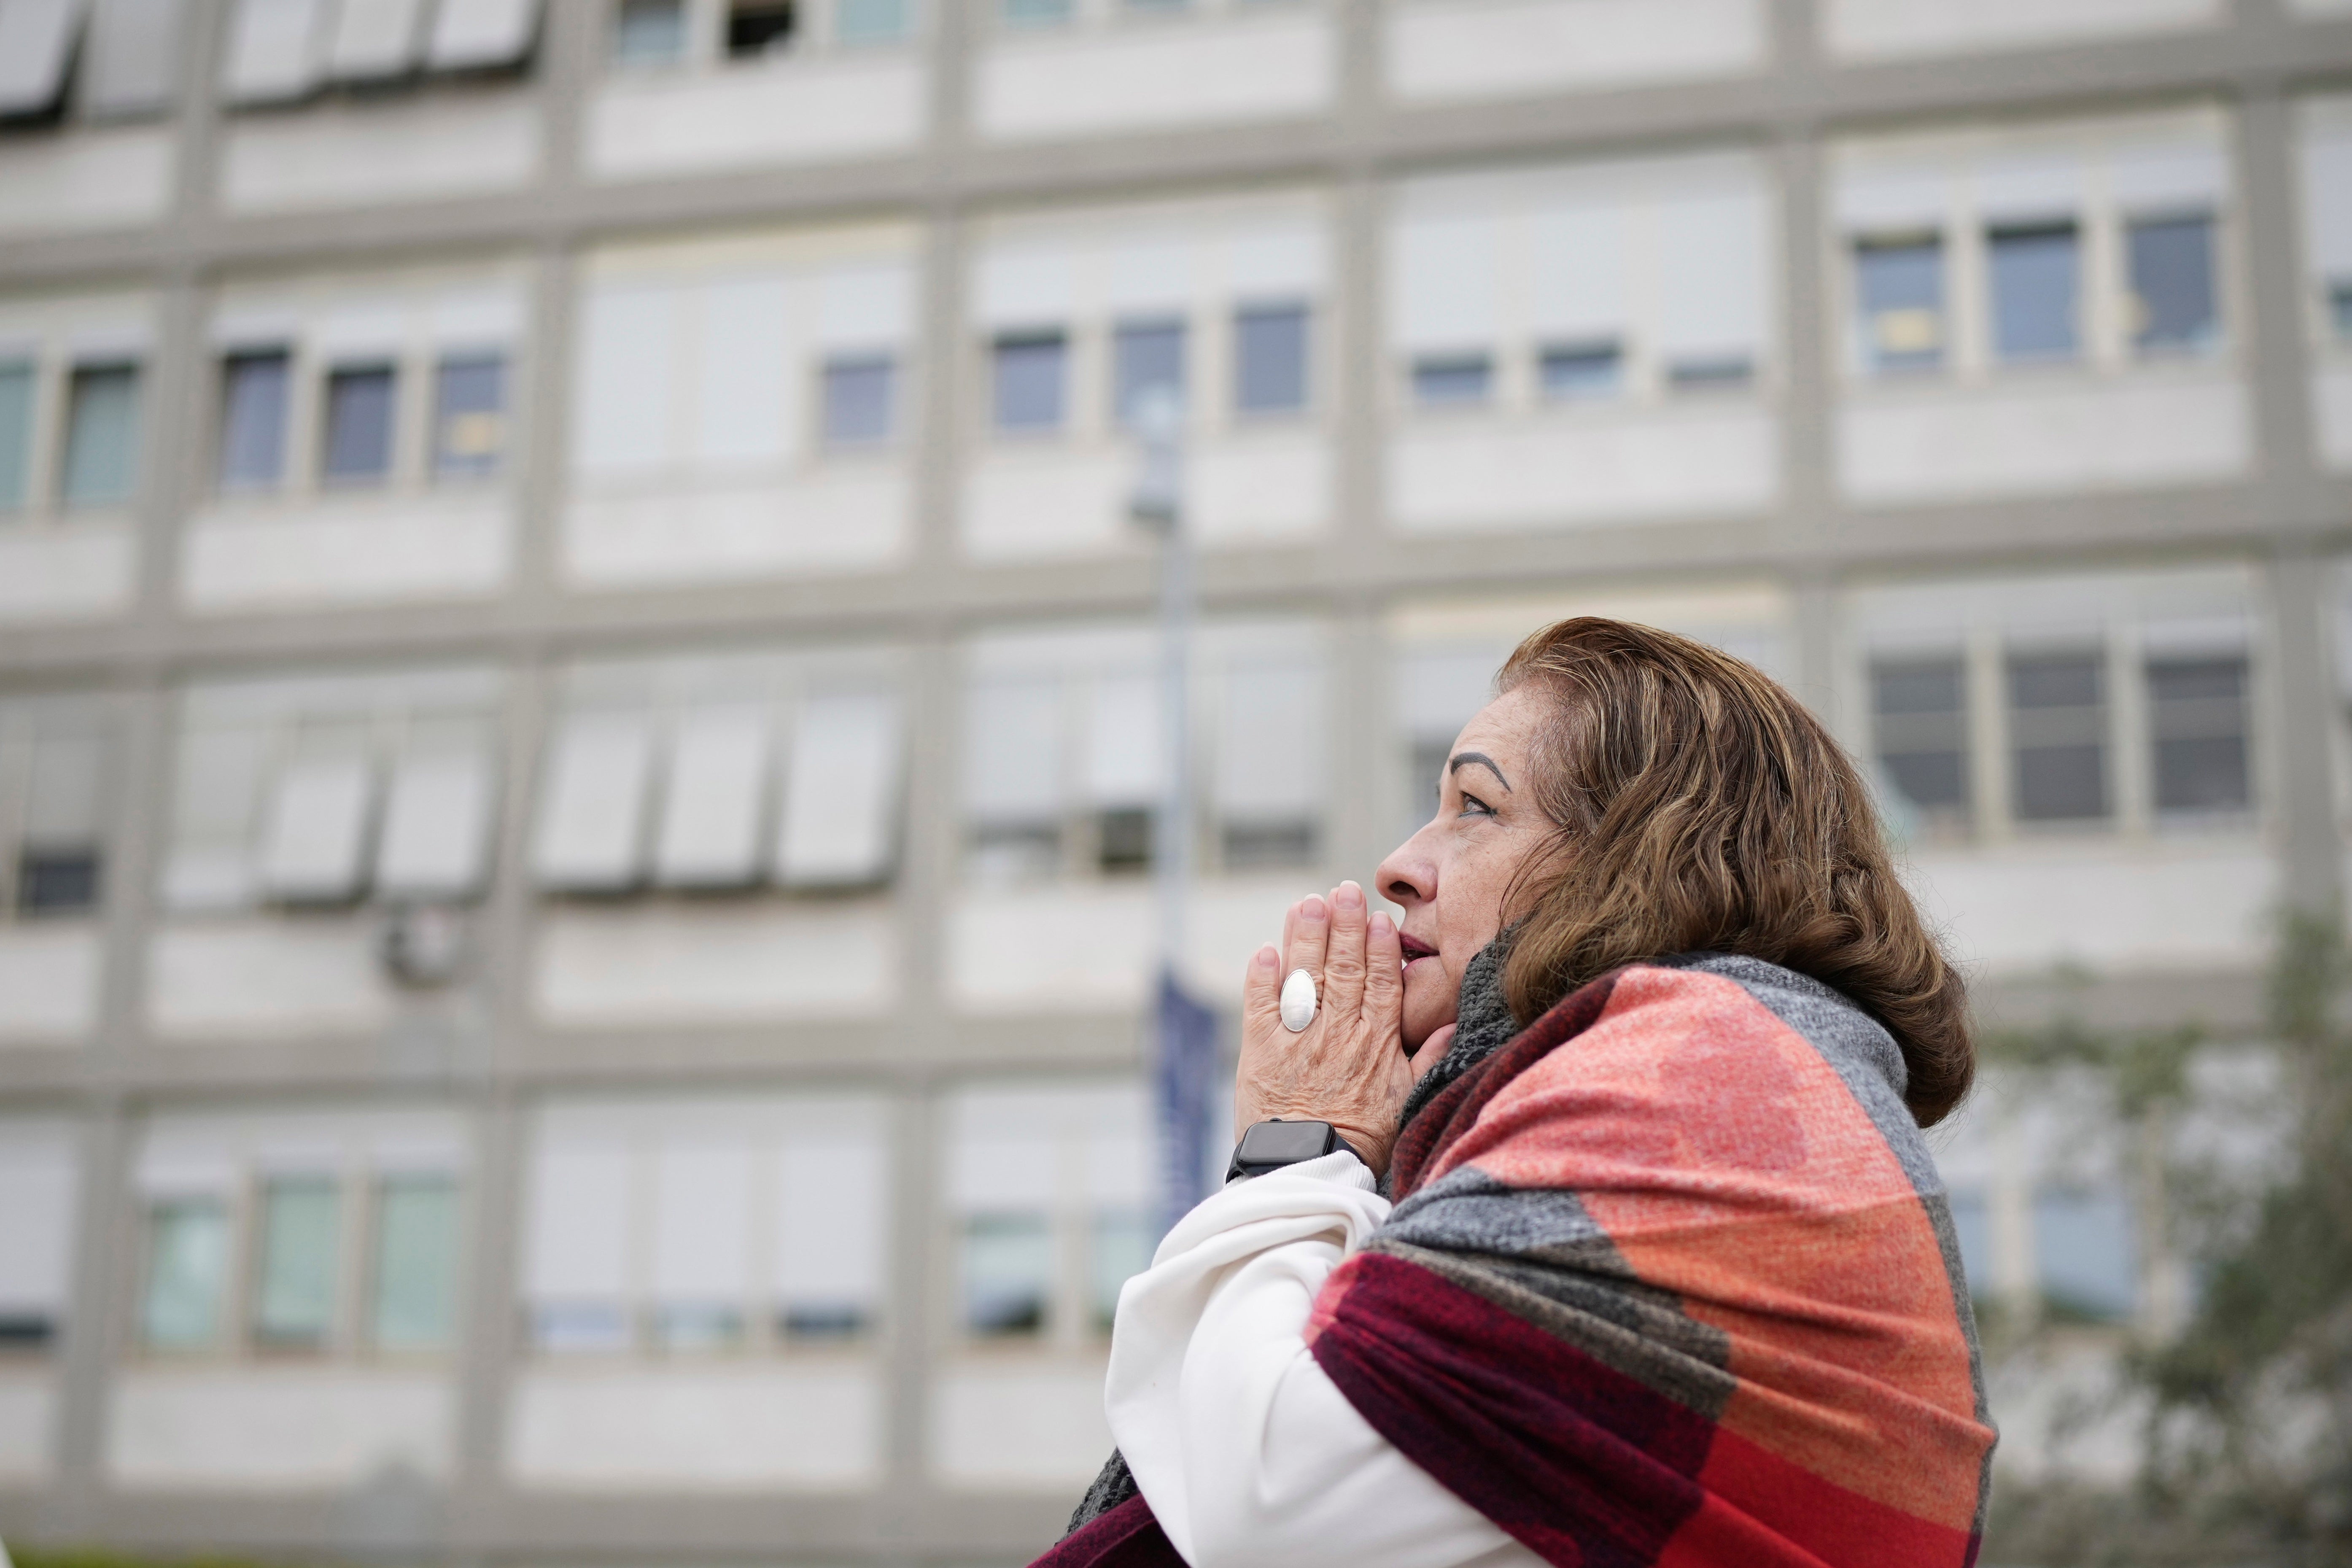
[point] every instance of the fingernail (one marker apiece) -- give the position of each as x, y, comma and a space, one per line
1266, 957
1381, 925
1347, 896
1313, 909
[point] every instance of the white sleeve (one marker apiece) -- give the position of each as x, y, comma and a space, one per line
1248, 1455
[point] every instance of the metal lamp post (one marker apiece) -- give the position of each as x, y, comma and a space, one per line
1185, 1053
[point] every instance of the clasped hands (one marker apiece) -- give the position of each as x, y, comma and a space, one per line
1349, 1067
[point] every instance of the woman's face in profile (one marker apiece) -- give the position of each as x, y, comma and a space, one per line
1451, 877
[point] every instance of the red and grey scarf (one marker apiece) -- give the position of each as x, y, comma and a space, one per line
1671, 1280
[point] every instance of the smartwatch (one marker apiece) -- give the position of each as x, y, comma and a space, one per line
1271, 1145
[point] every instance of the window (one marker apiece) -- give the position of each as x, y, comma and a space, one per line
101, 458
58, 857
415, 1268
359, 425
2198, 714
294, 1296
469, 426
2085, 1254
858, 395
1029, 372
1037, 13
1146, 358
1268, 781
2172, 295
187, 1266
2035, 284
1008, 1273
649, 33
1119, 1249
869, 21
1899, 284
1919, 711
1571, 373
1270, 359
1711, 372
2058, 736
1123, 836
15, 434
2339, 309
757, 28
1440, 380
56, 881
253, 420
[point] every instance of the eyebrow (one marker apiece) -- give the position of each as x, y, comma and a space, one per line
1463, 759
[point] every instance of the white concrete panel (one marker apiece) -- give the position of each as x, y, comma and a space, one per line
2024, 436
2108, 906
363, 155
379, 549
48, 982
794, 111
813, 1428
852, 521
84, 179
69, 574
1081, 948
682, 965
1253, 67
2331, 398
241, 1427
29, 1420
1260, 490
1035, 1427
266, 977
1448, 476
1498, 49
1250, 490
1869, 29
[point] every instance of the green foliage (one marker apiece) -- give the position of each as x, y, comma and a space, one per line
2249, 1433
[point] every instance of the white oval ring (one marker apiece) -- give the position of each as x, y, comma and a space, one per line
1298, 1001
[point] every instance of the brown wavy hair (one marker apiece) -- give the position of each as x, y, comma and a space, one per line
1698, 807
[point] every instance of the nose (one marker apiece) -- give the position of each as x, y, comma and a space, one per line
1409, 875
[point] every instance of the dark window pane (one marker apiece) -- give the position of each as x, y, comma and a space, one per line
1926, 686
1122, 1244
2339, 309
1900, 286
1453, 378
1930, 781
2057, 783
824, 1320
2172, 283
26, 1331
469, 415
1718, 372
1572, 370
2057, 723
857, 400
2035, 280
1265, 845
101, 434
650, 32
1920, 718
1008, 1273
1147, 357
15, 434
1123, 841
2197, 712
253, 420
759, 27
359, 425
57, 880
1270, 359
1029, 376
2067, 680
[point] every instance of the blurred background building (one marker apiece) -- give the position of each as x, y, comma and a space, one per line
576, 695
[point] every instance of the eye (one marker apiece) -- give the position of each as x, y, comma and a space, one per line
1473, 807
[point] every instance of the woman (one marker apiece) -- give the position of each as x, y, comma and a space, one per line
1627, 1248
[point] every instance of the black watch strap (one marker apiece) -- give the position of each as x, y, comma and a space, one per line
1270, 1145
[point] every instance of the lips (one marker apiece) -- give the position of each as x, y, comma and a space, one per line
1414, 948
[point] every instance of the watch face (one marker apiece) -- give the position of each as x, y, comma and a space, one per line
1284, 1142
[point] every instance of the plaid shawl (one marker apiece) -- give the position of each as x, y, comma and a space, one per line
1672, 1280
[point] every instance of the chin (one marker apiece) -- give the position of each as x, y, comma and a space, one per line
1424, 1014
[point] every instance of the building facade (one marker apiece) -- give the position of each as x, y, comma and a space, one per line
576, 742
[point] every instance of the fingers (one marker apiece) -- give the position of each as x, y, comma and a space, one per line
1306, 936
1433, 1049
1343, 960
1384, 974
1262, 986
